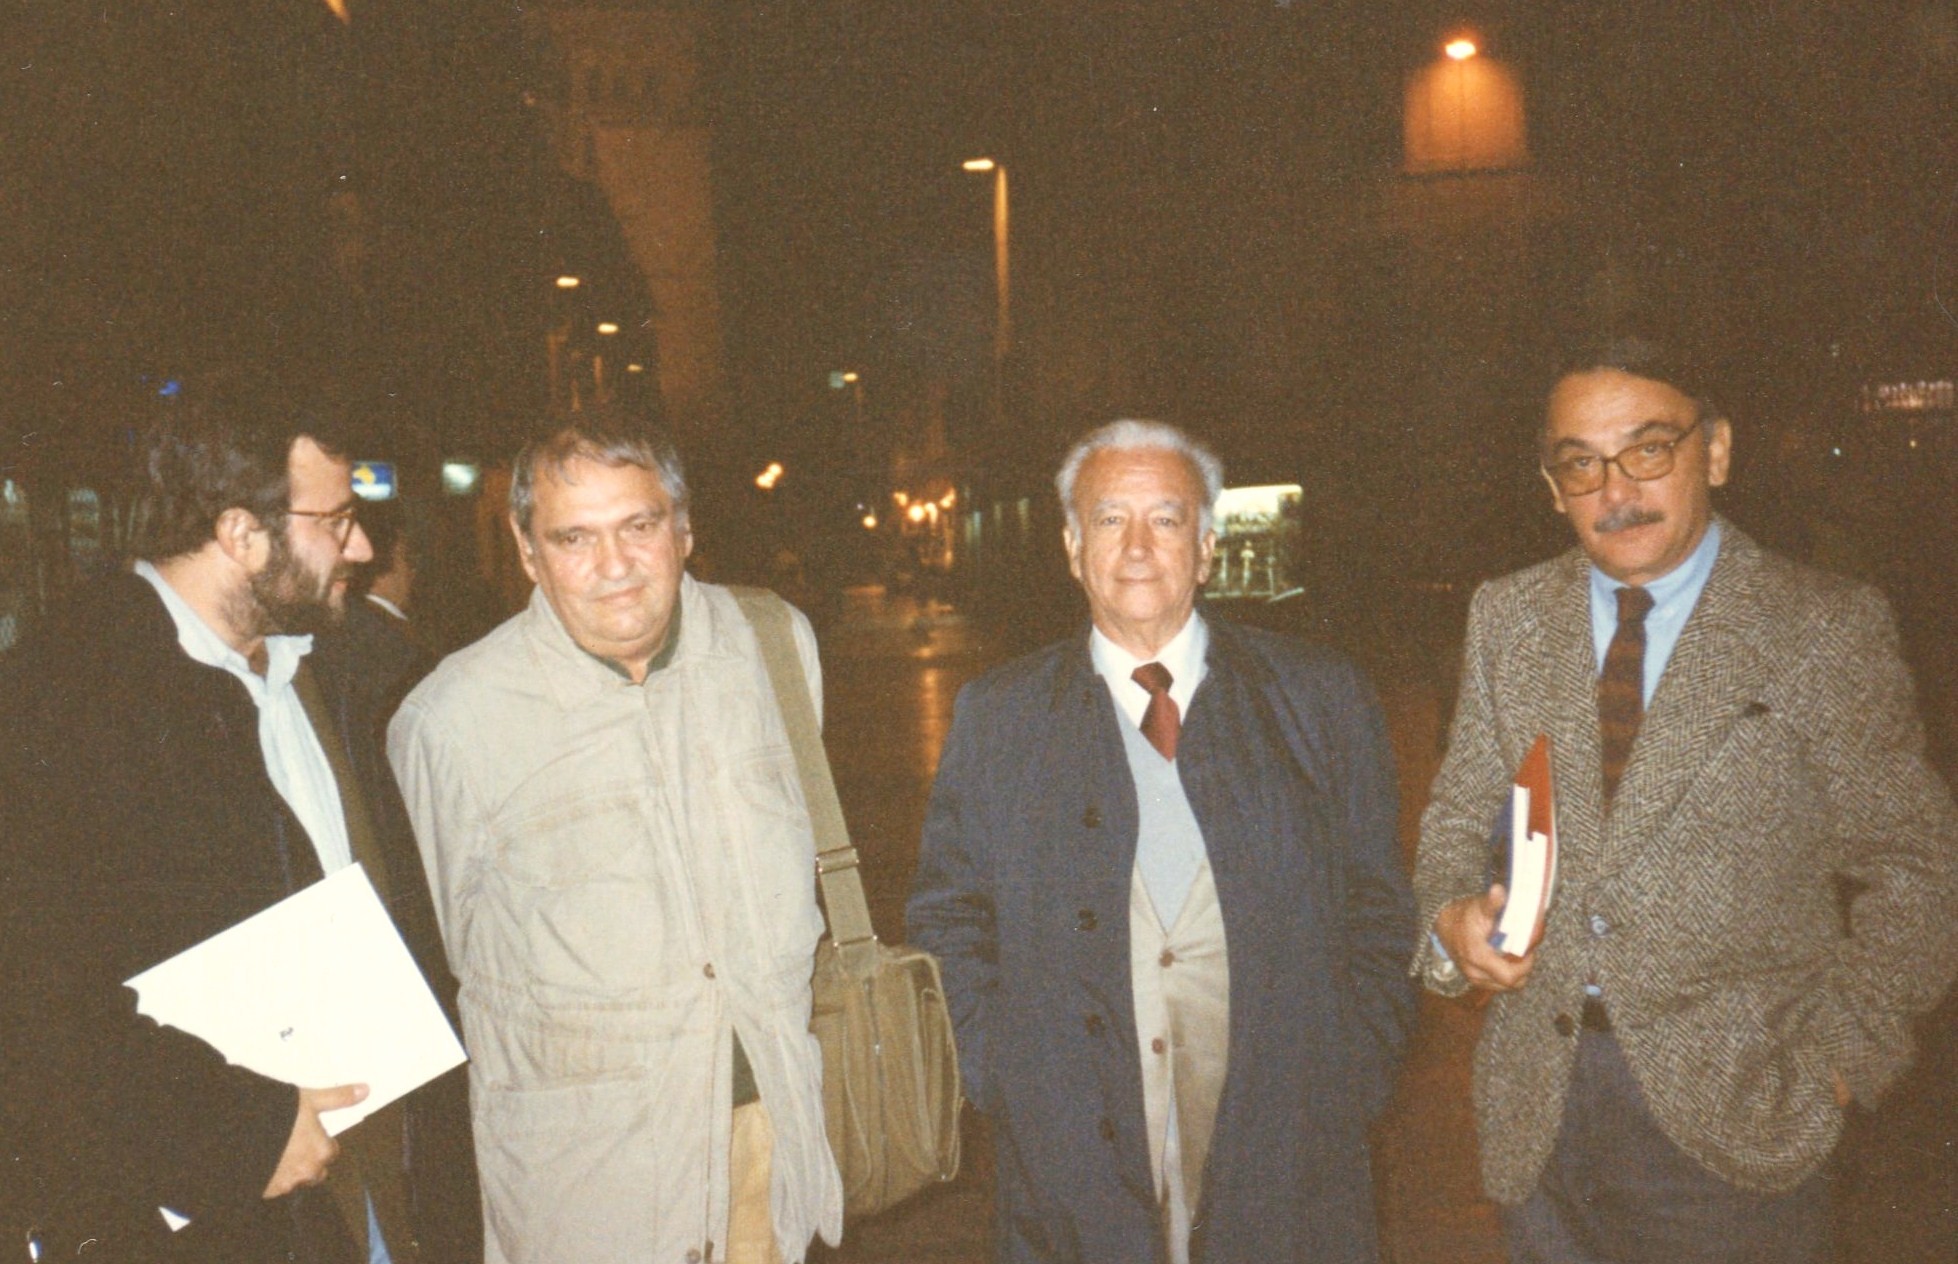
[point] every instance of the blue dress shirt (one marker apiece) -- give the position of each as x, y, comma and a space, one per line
1674, 595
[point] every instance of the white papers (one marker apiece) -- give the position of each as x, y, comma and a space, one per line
317, 991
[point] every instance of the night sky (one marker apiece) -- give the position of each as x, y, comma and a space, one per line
1167, 160
1779, 179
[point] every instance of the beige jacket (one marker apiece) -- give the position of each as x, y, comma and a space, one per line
624, 876
1781, 752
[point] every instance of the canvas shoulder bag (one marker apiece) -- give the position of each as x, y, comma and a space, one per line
891, 1091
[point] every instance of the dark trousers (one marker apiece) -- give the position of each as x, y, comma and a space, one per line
1618, 1191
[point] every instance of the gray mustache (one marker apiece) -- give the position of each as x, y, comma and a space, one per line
1627, 517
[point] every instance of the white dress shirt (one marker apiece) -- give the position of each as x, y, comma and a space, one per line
1183, 657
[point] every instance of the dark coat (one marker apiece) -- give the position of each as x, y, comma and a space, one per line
136, 819
365, 667
1023, 892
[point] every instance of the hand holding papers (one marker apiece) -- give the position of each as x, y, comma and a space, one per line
316, 991
1525, 844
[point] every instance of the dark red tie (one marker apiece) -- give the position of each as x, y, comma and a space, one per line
1621, 689
1161, 721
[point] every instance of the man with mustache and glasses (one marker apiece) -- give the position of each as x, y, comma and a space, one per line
608, 807
1735, 745
168, 767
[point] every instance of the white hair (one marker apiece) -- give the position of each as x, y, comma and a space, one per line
1127, 434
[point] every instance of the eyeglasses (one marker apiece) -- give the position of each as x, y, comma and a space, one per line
339, 521
1584, 473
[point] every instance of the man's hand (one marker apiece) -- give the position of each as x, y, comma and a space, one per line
1463, 928
309, 1150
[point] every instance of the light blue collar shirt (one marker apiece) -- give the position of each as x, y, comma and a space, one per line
1674, 595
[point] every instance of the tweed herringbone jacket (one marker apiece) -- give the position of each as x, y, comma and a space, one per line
1781, 749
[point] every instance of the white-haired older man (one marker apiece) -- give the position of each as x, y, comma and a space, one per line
1161, 872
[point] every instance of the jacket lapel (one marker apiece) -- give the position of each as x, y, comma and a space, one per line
1570, 667
1714, 671
1103, 828
1230, 688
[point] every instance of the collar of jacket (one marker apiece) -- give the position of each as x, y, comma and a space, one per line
144, 644
574, 677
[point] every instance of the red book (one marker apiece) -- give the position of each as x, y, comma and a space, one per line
1526, 831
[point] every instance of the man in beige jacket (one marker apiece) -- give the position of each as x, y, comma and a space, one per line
1734, 743
607, 804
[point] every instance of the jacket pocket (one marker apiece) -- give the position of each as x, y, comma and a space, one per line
592, 1171
771, 817
585, 897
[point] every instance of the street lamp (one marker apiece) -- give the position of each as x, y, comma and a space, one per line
606, 328
1460, 49
852, 381
1003, 318
560, 361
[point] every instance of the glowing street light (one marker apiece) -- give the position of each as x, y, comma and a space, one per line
557, 338
1003, 317
870, 522
767, 479
1460, 49
608, 327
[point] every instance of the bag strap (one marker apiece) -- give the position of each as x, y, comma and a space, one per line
844, 906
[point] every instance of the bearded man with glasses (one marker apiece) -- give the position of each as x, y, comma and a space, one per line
1663, 1076
169, 768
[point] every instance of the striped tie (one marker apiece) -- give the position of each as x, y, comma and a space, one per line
1621, 689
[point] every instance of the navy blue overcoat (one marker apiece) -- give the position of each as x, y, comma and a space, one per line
1023, 893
